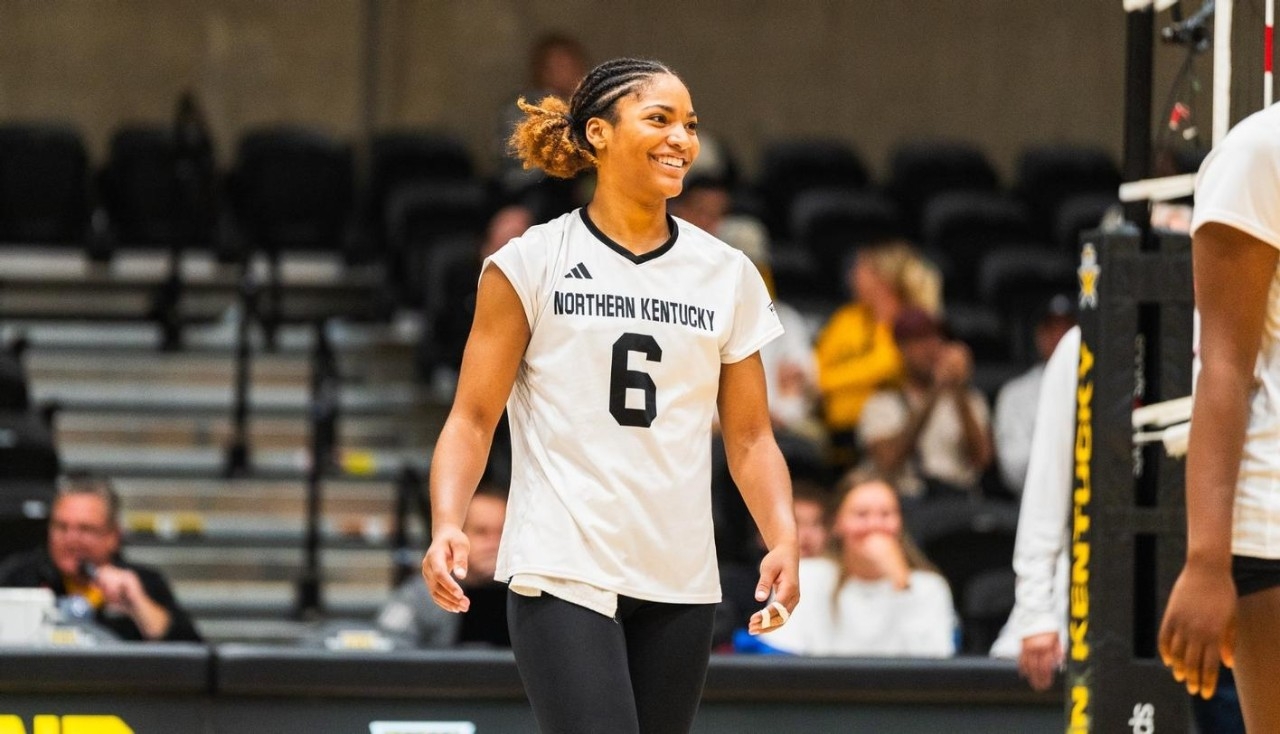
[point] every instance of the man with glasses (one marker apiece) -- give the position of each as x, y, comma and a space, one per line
81, 564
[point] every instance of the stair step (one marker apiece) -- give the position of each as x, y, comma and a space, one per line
350, 530
212, 563
214, 431
210, 463
131, 335
245, 494
58, 366
149, 266
140, 396
266, 369
255, 630
276, 599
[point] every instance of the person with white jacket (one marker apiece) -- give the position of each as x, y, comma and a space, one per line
878, 596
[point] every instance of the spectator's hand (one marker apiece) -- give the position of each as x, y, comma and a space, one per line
885, 551
1040, 659
954, 367
1199, 628
780, 574
121, 588
444, 565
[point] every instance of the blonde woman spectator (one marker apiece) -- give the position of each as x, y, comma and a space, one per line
855, 351
878, 596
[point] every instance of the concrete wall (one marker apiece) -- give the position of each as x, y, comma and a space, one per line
1001, 73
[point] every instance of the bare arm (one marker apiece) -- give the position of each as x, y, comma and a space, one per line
977, 439
760, 472
499, 335
953, 374
1233, 273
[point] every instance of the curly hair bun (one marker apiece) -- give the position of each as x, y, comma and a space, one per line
544, 139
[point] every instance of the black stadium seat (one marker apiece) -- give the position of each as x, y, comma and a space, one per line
1049, 175
14, 395
148, 204
832, 224
1017, 281
963, 225
921, 170
422, 216
43, 185
26, 447
1078, 214
28, 471
788, 169
988, 600
964, 538
403, 158
292, 190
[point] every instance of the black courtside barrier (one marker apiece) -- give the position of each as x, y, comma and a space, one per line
240, 689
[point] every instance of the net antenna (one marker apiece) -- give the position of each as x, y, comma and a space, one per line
1222, 70
1267, 53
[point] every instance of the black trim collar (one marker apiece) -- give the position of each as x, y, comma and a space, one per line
628, 254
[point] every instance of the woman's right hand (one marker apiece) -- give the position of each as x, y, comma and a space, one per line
444, 565
885, 551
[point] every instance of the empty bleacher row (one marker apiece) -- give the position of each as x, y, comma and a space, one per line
293, 189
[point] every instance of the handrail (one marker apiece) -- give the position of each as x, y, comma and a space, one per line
323, 420
410, 496
237, 456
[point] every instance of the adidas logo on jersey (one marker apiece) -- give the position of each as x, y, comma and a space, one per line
579, 271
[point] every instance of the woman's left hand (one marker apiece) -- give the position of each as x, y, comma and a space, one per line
779, 574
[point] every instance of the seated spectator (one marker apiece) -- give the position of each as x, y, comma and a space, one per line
83, 566
855, 351
810, 503
878, 596
411, 615
1015, 413
931, 435
449, 324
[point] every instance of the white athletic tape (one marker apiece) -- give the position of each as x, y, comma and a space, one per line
766, 617
782, 611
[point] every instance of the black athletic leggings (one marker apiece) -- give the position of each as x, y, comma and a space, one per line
641, 672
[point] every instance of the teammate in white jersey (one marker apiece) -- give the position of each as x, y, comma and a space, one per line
1226, 603
612, 335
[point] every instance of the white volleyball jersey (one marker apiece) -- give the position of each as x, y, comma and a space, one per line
612, 405
1239, 185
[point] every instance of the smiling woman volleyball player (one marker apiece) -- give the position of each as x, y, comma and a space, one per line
612, 334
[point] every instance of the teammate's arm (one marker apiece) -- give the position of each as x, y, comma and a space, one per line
760, 472
499, 335
1233, 273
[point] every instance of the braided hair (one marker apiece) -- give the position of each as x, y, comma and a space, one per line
553, 134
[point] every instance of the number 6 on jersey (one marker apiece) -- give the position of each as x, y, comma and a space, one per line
622, 379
